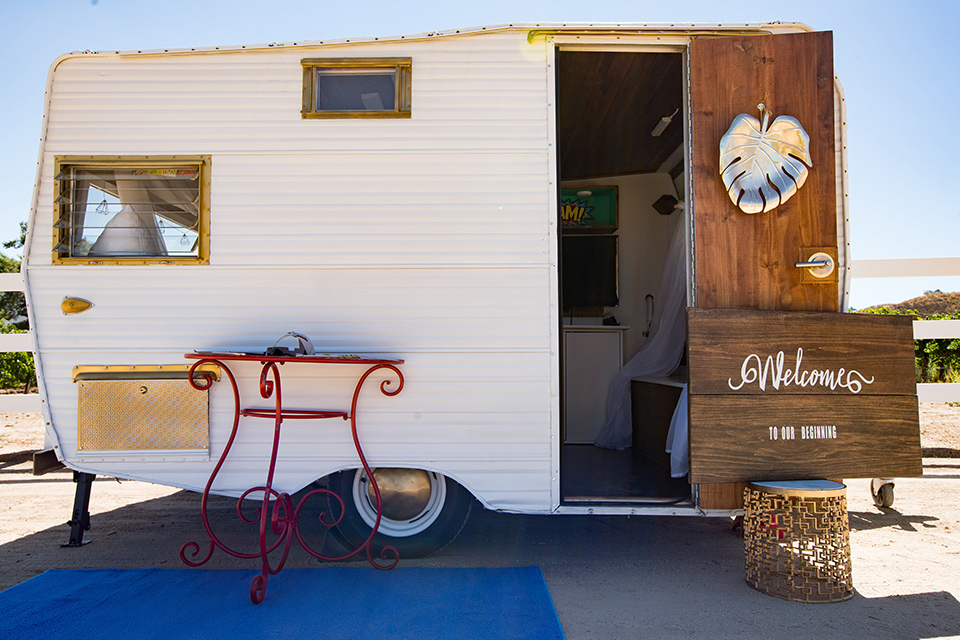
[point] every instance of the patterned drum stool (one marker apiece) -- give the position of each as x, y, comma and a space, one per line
797, 540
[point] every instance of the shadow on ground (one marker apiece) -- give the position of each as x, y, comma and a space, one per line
610, 577
865, 520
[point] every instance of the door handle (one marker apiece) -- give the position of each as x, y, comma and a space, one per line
819, 265
815, 263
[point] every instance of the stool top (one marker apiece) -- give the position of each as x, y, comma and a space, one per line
811, 488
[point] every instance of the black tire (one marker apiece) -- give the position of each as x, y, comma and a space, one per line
884, 496
428, 532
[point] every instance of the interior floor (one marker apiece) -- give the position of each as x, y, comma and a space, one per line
592, 474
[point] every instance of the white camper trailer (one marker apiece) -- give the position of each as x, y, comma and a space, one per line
515, 213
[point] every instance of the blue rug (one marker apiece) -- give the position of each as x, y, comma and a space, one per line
330, 602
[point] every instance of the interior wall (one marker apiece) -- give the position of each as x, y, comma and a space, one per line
644, 238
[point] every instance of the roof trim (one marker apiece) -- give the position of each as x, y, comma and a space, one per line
533, 29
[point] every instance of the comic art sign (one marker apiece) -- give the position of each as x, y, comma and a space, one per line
589, 209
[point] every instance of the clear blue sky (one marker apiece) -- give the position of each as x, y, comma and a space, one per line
897, 61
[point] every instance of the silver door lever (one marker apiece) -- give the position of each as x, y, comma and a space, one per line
814, 263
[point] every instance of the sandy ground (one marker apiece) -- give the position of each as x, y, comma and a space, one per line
940, 425
610, 577
20, 432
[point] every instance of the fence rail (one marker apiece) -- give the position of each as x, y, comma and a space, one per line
922, 329
12, 343
905, 267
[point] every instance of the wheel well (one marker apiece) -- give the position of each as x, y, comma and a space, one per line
444, 473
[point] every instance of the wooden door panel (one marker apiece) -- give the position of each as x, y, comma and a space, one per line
747, 261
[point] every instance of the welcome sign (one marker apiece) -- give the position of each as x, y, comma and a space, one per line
789, 395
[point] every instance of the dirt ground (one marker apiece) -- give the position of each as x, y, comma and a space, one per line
610, 577
940, 425
20, 432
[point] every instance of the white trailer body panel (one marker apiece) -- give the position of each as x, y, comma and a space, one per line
427, 239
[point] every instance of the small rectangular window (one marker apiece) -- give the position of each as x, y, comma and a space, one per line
356, 87
131, 210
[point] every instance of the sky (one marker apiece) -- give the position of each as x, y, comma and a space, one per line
896, 61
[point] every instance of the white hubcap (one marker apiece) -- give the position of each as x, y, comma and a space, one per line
412, 499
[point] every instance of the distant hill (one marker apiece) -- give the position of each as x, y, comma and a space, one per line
926, 305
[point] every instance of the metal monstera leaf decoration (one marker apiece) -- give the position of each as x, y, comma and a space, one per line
763, 167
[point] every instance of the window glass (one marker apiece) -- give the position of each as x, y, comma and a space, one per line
356, 87
121, 211
356, 90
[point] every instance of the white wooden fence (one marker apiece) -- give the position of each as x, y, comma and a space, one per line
14, 342
922, 329
944, 392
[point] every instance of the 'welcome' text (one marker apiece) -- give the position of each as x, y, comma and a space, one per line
773, 371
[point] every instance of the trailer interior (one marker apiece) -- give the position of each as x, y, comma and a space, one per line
620, 125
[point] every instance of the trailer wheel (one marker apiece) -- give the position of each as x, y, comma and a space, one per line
423, 511
884, 495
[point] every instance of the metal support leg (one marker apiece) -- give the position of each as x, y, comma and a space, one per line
81, 509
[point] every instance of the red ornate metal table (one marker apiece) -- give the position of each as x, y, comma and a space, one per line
281, 517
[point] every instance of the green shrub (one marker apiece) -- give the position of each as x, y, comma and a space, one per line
16, 369
936, 359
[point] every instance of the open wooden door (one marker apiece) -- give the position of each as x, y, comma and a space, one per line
747, 261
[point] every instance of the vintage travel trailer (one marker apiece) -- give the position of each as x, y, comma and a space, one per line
589, 268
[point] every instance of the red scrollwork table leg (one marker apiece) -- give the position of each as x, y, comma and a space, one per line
281, 517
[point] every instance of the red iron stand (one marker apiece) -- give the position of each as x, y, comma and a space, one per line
282, 515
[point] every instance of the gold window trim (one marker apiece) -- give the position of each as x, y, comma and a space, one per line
403, 72
134, 162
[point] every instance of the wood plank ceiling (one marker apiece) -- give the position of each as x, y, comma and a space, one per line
607, 105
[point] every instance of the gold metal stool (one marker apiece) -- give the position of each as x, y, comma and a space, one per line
797, 540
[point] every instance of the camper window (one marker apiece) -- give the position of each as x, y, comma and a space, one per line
131, 210
356, 87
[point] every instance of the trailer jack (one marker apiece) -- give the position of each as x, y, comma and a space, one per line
81, 509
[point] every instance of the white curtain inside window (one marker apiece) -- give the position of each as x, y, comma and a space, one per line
135, 229
130, 234
658, 357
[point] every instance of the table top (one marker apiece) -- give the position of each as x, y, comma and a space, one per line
812, 488
326, 358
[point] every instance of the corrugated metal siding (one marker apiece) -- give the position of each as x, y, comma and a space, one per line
352, 209
426, 239
472, 93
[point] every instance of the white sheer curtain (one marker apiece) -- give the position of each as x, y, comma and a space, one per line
661, 354
134, 230
677, 438
129, 234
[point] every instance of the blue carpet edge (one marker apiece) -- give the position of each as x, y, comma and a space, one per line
88, 594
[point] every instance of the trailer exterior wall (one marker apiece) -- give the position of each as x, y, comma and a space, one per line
430, 239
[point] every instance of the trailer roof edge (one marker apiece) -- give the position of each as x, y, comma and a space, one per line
533, 28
